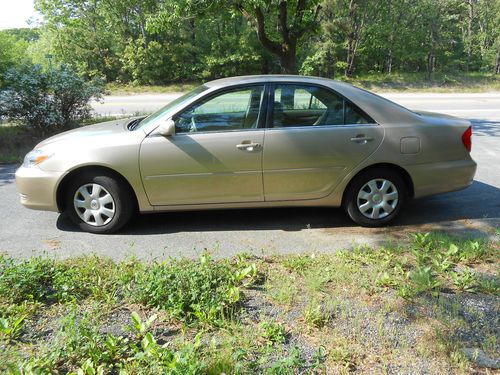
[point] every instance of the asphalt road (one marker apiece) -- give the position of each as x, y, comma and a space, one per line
475, 210
475, 105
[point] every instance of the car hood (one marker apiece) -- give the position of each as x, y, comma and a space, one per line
86, 133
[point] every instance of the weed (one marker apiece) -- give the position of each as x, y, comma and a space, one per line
465, 280
65, 316
387, 280
28, 280
319, 359
288, 365
44, 280
139, 327
273, 332
442, 263
316, 280
316, 315
11, 327
89, 368
491, 286
298, 263
424, 280
194, 291
344, 356
281, 287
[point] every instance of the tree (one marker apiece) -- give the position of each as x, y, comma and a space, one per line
47, 101
161, 41
345, 23
280, 25
84, 36
488, 34
12, 51
295, 19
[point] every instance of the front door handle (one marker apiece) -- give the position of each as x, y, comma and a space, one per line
248, 146
361, 138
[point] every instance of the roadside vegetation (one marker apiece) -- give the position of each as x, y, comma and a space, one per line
36, 103
459, 82
16, 140
427, 305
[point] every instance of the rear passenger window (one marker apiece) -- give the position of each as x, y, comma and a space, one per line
308, 105
354, 116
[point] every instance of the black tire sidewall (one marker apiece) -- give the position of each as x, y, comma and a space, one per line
121, 196
350, 202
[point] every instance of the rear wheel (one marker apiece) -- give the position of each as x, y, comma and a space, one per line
98, 204
375, 197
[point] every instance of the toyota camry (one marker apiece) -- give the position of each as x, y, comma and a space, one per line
255, 141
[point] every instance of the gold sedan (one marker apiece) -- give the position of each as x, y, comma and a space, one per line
256, 141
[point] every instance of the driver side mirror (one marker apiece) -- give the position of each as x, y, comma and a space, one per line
167, 128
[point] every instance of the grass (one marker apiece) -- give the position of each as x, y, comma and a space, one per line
453, 82
440, 82
129, 89
407, 307
15, 142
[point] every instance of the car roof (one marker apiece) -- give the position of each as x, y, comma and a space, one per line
383, 111
264, 78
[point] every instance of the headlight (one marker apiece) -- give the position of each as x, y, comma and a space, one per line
35, 157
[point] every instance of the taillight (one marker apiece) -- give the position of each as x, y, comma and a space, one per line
467, 138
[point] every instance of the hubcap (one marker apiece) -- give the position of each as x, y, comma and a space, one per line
94, 204
377, 198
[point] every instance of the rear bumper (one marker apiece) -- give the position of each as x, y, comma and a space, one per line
443, 177
37, 188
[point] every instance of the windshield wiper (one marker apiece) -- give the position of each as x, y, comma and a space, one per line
132, 125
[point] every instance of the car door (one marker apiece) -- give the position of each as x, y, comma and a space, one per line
215, 155
314, 138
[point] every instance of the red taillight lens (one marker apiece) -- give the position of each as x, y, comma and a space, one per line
467, 138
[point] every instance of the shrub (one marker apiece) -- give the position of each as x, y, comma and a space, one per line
47, 101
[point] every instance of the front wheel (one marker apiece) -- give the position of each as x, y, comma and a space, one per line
375, 197
98, 204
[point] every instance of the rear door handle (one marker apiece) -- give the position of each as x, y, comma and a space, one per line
361, 139
248, 146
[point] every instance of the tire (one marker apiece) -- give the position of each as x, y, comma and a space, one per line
375, 197
98, 204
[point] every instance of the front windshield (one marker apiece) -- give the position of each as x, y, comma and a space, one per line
165, 111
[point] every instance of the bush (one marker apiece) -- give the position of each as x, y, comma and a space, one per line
47, 101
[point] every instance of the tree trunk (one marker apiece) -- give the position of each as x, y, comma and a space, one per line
288, 59
431, 63
497, 65
192, 29
470, 20
330, 65
353, 36
142, 26
389, 62
389, 55
431, 57
286, 47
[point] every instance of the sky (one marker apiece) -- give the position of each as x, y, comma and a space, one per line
15, 13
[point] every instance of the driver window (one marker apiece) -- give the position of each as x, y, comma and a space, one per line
232, 110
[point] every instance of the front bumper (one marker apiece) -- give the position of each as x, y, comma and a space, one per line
37, 188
